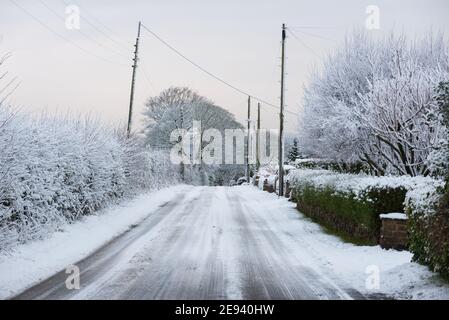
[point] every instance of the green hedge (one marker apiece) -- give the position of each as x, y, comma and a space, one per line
355, 218
429, 236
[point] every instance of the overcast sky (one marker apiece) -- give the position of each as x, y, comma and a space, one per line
235, 39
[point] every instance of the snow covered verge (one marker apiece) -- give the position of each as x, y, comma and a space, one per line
56, 169
358, 266
33, 262
351, 204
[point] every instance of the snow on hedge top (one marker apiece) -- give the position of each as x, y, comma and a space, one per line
422, 192
422, 199
393, 216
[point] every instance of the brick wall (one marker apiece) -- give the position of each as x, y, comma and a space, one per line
393, 233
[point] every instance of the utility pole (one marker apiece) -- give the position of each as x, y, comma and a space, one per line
181, 165
258, 138
131, 100
248, 139
281, 118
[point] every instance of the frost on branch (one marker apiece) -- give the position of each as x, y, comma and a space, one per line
374, 101
54, 170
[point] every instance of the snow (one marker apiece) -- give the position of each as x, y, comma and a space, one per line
308, 160
394, 216
399, 277
267, 173
280, 233
423, 199
33, 262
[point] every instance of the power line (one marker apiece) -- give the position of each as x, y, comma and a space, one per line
146, 76
316, 35
303, 43
82, 33
62, 37
210, 73
123, 46
124, 42
314, 27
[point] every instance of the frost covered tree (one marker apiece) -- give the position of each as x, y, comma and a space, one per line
438, 159
293, 152
373, 101
177, 108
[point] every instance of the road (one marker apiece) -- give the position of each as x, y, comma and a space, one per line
208, 243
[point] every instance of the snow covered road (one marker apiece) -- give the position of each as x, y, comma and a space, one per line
223, 243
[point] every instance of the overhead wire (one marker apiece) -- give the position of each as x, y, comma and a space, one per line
315, 35
81, 32
244, 92
147, 77
93, 26
297, 38
210, 73
48, 28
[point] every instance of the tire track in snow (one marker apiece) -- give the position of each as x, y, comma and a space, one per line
210, 243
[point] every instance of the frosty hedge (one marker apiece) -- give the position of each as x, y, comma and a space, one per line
350, 204
55, 170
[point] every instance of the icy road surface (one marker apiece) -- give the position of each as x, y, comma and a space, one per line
211, 243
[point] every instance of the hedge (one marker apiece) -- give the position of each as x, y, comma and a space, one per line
350, 204
353, 217
55, 170
428, 211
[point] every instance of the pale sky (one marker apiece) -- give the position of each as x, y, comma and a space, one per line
237, 40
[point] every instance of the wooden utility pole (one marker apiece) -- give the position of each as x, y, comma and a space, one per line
281, 118
131, 100
248, 139
258, 138
181, 165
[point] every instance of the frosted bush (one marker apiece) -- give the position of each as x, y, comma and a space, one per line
54, 170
